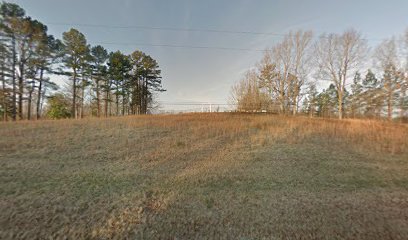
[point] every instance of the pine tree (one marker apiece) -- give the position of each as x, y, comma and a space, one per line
390, 84
27, 32
119, 69
371, 97
76, 51
152, 82
145, 80
11, 13
28, 56
5, 73
99, 73
327, 102
47, 53
312, 100
355, 97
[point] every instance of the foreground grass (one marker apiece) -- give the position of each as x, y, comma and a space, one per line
205, 176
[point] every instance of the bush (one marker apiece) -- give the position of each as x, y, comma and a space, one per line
58, 107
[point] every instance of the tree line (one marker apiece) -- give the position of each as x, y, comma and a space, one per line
364, 81
101, 83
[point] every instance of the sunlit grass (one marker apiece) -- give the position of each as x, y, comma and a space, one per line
190, 176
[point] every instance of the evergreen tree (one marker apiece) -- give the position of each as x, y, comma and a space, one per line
76, 52
5, 73
10, 13
311, 100
355, 97
371, 97
327, 102
47, 53
99, 73
151, 75
27, 33
145, 80
119, 69
391, 83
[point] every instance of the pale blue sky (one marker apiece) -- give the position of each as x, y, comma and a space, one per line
206, 75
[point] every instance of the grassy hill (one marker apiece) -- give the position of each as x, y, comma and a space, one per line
210, 176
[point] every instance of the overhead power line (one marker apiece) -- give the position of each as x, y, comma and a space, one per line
174, 29
182, 46
178, 29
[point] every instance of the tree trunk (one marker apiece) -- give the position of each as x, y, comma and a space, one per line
282, 99
311, 110
81, 115
73, 110
4, 96
39, 95
139, 96
340, 105
30, 95
147, 100
294, 110
21, 87
389, 105
98, 103
13, 67
82, 101
117, 103
402, 101
106, 102
146, 97
123, 104
42, 99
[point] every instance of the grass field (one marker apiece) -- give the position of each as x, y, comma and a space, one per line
204, 176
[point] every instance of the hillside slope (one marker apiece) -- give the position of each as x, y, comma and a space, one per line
222, 176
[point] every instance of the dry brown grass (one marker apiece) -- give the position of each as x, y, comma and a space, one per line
222, 176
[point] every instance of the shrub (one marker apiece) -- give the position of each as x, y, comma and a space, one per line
58, 107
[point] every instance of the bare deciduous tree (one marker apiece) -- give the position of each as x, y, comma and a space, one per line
386, 56
270, 80
284, 69
301, 68
246, 95
404, 86
337, 56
